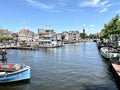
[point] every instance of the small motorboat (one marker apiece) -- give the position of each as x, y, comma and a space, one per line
13, 72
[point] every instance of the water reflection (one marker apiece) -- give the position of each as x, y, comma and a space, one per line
22, 85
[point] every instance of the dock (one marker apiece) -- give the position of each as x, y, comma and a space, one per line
116, 68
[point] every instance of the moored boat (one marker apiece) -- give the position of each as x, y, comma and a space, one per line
13, 72
108, 52
50, 44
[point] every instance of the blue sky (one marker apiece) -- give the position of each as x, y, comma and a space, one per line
60, 15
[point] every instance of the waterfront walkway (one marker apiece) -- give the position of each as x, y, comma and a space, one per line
16, 47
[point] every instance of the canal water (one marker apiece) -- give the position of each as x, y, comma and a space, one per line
71, 67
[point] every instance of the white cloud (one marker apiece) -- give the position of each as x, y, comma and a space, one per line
103, 10
92, 29
94, 3
51, 7
56, 11
100, 5
92, 25
108, 5
103, 3
61, 3
39, 4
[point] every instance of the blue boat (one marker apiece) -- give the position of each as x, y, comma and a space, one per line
13, 72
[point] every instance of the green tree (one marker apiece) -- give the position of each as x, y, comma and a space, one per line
112, 28
6, 38
82, 35
92, 36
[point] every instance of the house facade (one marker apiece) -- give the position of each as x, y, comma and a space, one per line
71, 36
25, 35
5, 32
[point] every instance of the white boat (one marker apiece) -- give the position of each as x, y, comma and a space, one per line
50, 44
108, 52
13, 72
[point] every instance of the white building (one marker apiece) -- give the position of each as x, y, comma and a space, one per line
48, 38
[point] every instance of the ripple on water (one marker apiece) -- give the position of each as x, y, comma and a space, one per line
72, 67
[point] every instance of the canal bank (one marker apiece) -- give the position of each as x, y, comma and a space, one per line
72, 67
112, 54
114, 69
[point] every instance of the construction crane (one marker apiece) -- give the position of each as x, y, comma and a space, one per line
49, 25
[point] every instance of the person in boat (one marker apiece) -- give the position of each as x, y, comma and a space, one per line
4, 58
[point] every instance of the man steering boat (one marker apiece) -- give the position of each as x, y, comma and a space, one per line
4, 58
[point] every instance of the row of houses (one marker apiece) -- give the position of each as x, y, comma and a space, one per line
28, 36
